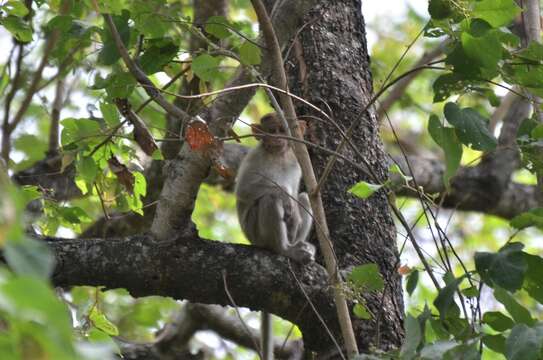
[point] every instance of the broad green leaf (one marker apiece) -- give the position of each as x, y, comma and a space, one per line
524, 343
413, 338
533, 279
218, 27
101, 322
484, 51
471, 127
446, 138
470, 292
249, 53
448, 84
437, 350
62, 23
533, 52
109, 54
29, 257
87, 169
367, 277
158, 55
17, 27
30, 299
364, 189
101, 337
439, 9
444, 301
496, 12
533, 217
506, 268
498, 321
120, 85
412, 281
205, 66
463, 352
110, 113
537, 132
361, 312
15, 8
495, 343
519, 313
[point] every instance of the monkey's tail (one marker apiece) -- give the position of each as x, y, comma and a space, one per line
266, 336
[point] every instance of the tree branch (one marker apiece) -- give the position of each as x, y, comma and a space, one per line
192, 268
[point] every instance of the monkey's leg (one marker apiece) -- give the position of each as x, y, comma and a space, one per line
272, 227
306, 216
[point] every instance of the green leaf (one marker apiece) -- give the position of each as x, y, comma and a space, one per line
367, 277
448, 84
444, 301
101, 322
470, 127
120, 85
533, 217
158, 55
495, 343
29, 257
533, 52
87, 169
463, 352
496, 12
412, 281
498, 321
109, 54
524, 343
440, 9
62, 23
470, 292
437, 350
205, 66
537, 132
17, 27
110, 113
484, 51
361, 311
249, 53
506, 268
413, 338
364, 189
32, 300
218, 27
519, 313
98, 336
446, 138
15, 8
533, 279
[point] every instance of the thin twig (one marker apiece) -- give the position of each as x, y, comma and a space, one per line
231, 299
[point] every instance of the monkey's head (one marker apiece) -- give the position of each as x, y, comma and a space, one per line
271, 124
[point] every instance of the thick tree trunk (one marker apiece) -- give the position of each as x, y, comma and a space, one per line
330, 68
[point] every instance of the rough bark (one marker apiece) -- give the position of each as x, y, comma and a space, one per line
335, 58
194, 269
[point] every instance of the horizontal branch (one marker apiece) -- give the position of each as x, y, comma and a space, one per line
192, 268
471, 189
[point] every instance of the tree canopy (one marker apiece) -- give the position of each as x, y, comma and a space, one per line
123, 125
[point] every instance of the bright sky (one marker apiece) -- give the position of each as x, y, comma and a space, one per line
393, 9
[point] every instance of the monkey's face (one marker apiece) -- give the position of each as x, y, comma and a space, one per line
270, 143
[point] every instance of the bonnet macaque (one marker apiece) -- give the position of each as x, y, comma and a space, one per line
271, 212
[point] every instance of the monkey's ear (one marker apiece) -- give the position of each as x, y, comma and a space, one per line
303, 126
257, 131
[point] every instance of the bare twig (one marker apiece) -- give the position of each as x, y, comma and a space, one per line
139, 75
55, 117
257, 348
